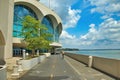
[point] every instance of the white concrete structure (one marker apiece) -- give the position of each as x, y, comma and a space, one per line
6, 22
7, 41
3, 73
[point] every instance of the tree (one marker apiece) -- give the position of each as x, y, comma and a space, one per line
35, 34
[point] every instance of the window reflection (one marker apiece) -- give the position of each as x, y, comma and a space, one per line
46, 21
57, 34
20, 11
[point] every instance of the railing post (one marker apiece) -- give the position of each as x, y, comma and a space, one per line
15, 71
19, 63
90, 61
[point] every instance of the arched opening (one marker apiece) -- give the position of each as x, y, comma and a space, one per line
20, 11
49, 24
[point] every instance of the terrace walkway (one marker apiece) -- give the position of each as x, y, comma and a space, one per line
56, 68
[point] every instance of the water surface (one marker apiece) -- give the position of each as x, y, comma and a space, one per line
114, 54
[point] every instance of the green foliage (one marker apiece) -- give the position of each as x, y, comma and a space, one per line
35, 34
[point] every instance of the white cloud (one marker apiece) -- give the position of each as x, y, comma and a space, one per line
65, 35
107, 7
68, 40
92, 34
72, 18
107, 36
110, 29
84, 40
105, 17
69, 16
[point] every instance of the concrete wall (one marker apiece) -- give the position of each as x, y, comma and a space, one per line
81, 58
109, 66
6, 22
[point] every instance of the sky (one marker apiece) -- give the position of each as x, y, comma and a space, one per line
88, 24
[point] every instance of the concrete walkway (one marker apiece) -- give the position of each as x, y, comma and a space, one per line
56, 68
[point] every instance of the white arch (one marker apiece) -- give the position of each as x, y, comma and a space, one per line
33, 7
38, 7
41, 11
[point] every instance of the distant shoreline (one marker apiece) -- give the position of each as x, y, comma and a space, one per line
88, 49
96, 49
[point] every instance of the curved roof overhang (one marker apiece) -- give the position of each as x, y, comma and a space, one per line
53, 20
18, 42
55, 23
55, 44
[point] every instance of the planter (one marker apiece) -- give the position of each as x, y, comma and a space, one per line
28, 64
3, 73
42, 58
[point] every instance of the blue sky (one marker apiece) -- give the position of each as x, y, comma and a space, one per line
88, 24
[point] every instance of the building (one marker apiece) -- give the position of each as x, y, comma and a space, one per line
11, 15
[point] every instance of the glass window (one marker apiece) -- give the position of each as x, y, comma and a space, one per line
20, 11
46, 21
57, 34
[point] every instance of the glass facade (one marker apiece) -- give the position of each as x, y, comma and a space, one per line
20, 11
46, 21
57, 34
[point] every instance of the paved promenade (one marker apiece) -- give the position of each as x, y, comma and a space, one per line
56, 68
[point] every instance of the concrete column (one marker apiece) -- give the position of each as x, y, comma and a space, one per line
6, 24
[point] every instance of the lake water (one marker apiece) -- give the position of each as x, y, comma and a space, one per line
114, 54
